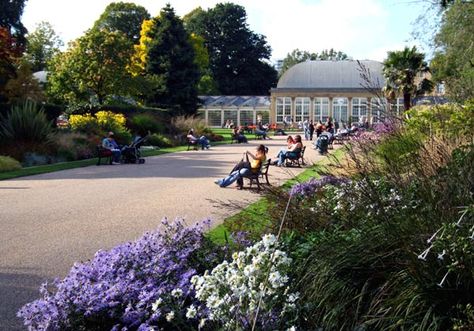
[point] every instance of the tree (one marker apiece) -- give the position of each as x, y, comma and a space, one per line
43, 44
236, 53
400, 70
9, 56
24, 86
10, 18
453, 62
171, 64
124, 17
297, 56
92, 70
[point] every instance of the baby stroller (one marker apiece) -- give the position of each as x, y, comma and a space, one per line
322, 144
131, 153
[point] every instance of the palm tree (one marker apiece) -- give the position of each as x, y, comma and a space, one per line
400, 70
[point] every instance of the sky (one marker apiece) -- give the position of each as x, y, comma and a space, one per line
363, 29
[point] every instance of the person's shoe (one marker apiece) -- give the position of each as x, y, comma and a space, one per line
217, 182
274, 162
208, 146
116, 163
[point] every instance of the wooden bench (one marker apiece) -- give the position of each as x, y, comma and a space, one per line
103, 153
296, 161
193, 144
261, 173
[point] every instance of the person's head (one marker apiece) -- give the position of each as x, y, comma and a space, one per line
110, 135
297, 138
191, 131
261, 149
289, 139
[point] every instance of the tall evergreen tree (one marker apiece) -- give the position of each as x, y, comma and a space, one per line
237, 55
171, 64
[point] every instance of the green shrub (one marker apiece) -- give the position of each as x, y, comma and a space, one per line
25, 123
144, 123
8, 164
71, 146
160, 140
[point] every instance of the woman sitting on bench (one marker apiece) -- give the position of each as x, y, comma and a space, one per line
294, 148
203, 141
244, 167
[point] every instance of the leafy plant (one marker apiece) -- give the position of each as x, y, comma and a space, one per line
25, 123
144, 123
8, 164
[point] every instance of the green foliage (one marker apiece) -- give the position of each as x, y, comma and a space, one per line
71, 146
124, 17
8, 164
10, 18
400, 70
144, 123
450, 120
233, 49
160, 140
453, 62
24, 86
43, 44
25, 123
171, 64
93, 70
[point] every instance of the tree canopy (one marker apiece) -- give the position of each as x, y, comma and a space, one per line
92, 70
400, 70
124, 17
453, 62
237, 55
10, 18
171, 64
43, 44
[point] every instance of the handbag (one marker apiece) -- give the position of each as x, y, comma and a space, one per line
243, 164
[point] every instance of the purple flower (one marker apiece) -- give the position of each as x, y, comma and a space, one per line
310, 187
118, 287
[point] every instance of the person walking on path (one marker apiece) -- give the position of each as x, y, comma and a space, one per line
311, 130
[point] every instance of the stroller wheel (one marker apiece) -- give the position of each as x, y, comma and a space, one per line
141, 161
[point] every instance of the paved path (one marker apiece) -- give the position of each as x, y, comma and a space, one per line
49, 221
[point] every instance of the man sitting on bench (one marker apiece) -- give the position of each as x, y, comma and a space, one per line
110, 144
203, 141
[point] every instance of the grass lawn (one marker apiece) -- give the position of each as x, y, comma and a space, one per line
255, 215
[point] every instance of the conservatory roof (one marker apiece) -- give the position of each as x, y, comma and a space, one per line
336, 75
235, 101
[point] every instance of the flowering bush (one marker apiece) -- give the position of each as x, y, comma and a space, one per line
133, 286
231, 292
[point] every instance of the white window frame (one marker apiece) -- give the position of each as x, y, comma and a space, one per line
320, 110
302, 105
359, 109
283, 108
340, 105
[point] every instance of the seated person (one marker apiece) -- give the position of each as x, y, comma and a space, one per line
294, 148
260, 131
238, 135
326, 139
203, 141
110, 144
244, 167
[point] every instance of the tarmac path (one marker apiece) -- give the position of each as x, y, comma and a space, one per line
49, 221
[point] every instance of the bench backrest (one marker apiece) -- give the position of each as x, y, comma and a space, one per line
264, 167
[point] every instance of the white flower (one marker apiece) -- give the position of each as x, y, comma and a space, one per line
170, 316
191, 312
293, 297
268, 240
202, 322
157, 303
291, 329
177, 293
